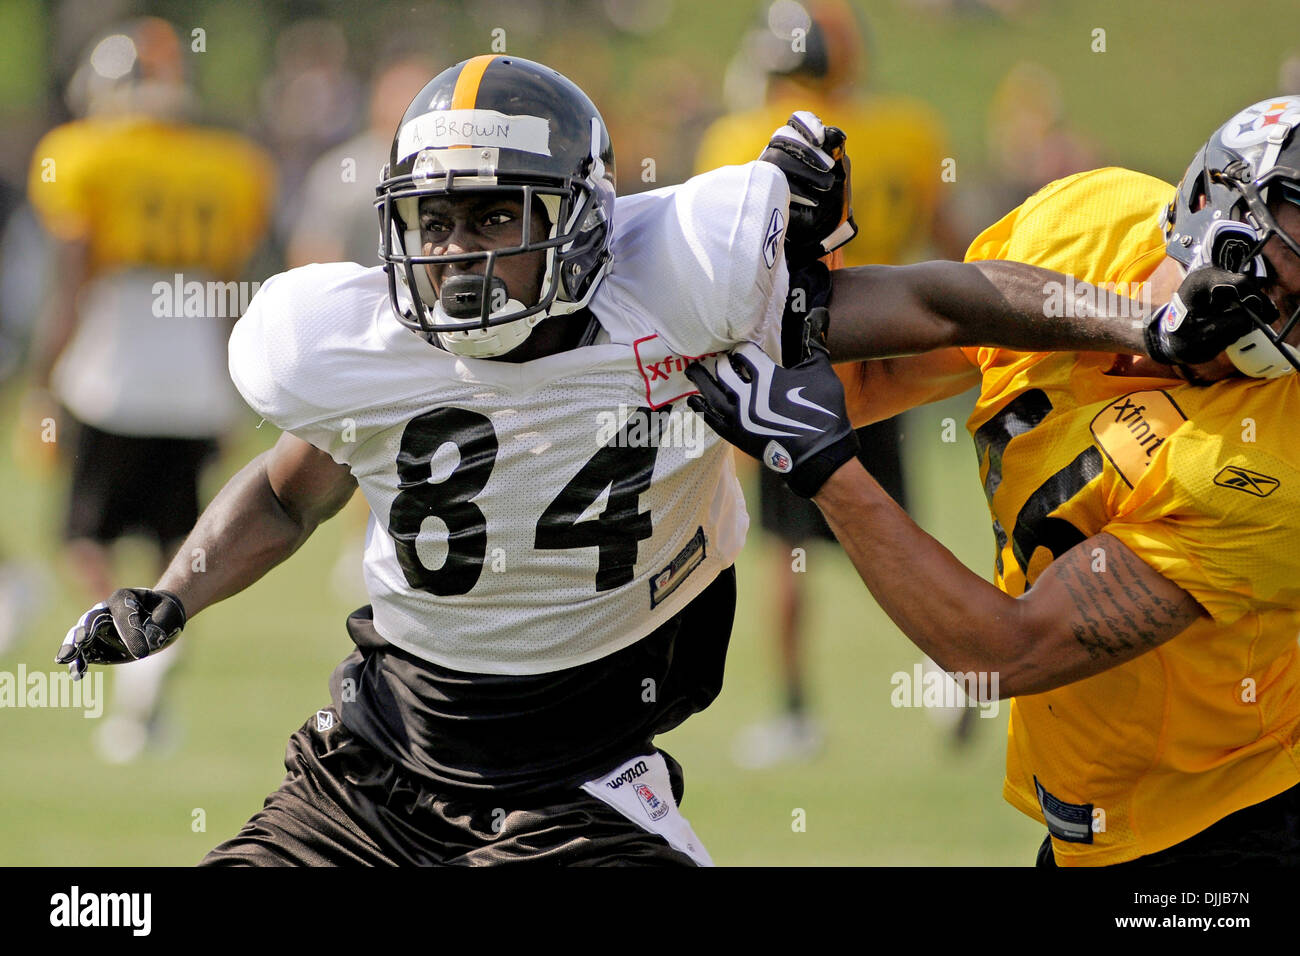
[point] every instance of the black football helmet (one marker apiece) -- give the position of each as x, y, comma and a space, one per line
1219, 215
497, 124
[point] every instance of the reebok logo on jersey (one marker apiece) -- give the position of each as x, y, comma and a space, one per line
1132, 428
1243, 479
772, 244
664, 371
628, 775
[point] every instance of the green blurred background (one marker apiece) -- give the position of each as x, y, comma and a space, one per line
889, 788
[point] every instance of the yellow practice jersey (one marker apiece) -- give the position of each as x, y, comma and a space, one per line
1204, 485
146, 194
895, 148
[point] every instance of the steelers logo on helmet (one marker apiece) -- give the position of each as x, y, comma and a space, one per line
1220, 215
504, 127
1255, 125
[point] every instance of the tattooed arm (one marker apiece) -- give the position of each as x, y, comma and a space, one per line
1073, 623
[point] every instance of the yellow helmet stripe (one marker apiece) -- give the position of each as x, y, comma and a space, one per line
471, 75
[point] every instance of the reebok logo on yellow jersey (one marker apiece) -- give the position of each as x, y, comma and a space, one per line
1243, 479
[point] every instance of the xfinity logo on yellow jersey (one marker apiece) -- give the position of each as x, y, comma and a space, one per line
1131, 429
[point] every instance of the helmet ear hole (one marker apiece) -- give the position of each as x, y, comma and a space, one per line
1200, 192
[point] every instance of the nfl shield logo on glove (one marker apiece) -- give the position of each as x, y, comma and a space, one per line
777, 458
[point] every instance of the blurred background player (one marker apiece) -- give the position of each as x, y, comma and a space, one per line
335, 222
813, 56
1031, 143
135, 195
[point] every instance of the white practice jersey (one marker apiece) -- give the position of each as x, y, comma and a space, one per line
528, 517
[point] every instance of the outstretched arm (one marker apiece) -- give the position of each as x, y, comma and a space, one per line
259, 518
1074, 622
262, 515
881, 311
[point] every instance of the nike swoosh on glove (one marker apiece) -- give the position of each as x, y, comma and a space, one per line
793, 420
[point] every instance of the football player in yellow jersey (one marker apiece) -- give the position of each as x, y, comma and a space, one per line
811, 56
156, 217
1148, 530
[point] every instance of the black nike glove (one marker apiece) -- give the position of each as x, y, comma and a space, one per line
793, 420
816, 167
133, 623
1209, 312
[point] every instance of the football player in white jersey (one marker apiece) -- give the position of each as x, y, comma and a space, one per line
549, 556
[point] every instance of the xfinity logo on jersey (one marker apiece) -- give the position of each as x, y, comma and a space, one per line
1131, 429
74, 909
628, 775
664, 371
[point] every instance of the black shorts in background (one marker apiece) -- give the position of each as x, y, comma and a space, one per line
124, 484
795, 520
344, 804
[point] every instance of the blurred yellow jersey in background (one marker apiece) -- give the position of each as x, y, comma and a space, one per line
895, 146
146, 193
1203, 484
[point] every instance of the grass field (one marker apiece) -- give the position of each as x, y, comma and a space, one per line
888, 789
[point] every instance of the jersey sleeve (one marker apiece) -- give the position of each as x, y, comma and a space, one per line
703, 263
1219, 518
1101, 226
292, 354
59, 180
